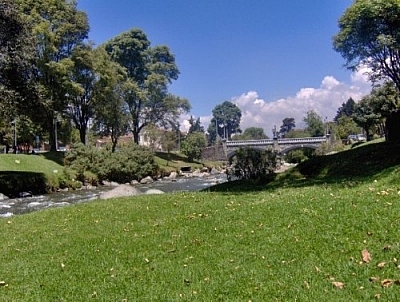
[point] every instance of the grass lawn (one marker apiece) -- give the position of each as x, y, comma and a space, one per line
35, 173
298, 238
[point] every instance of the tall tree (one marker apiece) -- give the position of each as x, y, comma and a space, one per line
346, 109
17, 69
315, 125
152, 69
193, 145
369, 35
383, 101
111, 117
57, 27
195, 125
365, 115
225, 121
82, 74
288, 124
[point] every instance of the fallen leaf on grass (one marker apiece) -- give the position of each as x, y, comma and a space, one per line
382, 264
366, 256
387, 282
338, 284
373, 279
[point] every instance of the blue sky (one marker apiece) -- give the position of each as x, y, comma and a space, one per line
273, 58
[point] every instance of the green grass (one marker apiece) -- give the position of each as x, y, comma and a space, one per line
44, 163
35, 173
285, 241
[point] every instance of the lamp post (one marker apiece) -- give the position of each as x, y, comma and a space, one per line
14, 123
55, 130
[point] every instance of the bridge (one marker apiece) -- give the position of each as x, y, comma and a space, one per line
281, 145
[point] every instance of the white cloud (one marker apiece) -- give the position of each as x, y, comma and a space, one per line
325, 100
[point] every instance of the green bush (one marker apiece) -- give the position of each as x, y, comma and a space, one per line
128, 162
193, 145
249, 163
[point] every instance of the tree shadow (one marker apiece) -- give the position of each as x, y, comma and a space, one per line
12, 183
55, 156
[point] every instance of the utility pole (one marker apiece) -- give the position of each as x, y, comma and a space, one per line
15, 134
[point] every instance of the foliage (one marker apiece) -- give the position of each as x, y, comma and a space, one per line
385, 100
365, 115
80, 70
195, 125
151, 70
295, 156
57, 27
345, 126
168, 141
18, 89
225, 121
251, 133
297, 237
369, 36
128, 163
250, 163
315, 125
35, 173
297, 133
112, 87
193, 145
288, 124
345, 110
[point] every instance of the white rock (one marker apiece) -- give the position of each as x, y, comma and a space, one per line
120, 191
154, 191
146, 180
3, 197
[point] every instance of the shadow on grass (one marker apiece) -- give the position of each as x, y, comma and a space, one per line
55, 156
12, 183
173, 157
363, 163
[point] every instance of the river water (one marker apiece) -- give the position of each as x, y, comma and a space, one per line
17, 206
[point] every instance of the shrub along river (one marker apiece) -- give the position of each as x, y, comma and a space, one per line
17, 206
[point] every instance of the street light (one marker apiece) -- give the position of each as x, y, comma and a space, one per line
14, 123
55, 129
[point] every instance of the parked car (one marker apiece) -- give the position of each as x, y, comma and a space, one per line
357, 138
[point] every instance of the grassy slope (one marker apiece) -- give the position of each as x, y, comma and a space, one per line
36, 173
289, 240
30, 163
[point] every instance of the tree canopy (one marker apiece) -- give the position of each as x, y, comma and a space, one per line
17, 68
251, 133
315, 125
225, 121
57, 27
151, 69
369, 36
288, 124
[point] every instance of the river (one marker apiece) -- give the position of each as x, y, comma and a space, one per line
25, 205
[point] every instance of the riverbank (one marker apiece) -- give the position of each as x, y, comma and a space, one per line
44, 172
325, 230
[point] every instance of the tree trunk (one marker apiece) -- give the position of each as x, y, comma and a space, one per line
393, 127
82, 135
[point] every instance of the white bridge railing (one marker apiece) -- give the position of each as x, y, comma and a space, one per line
263, 142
